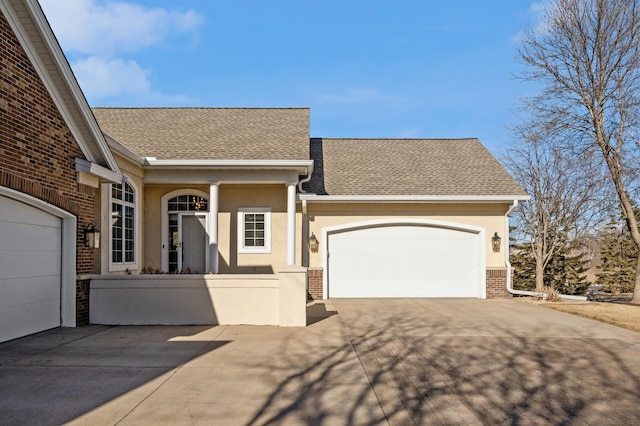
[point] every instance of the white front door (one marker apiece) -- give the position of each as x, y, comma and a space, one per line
30, 269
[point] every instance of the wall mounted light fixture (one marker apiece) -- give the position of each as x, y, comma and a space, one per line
313, 243
92, 236
495, 242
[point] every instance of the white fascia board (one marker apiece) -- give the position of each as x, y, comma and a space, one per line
124, 151
412, 198
62, 65
85, 166
303, 166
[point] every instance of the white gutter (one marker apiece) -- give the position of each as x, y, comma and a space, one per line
305, 166
83, 165
413, 198
508, 263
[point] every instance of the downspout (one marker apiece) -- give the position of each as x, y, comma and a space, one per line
305, 180
506, 259
305, 236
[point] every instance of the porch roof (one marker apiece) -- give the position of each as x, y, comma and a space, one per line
209, 133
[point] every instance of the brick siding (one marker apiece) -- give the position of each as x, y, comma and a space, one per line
314, 280
82, 302
497, 284
37, 149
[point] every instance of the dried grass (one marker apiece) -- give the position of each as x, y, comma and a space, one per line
621, 315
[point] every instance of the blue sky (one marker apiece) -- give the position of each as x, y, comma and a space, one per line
419, 68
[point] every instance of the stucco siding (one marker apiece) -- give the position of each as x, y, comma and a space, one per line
487, 216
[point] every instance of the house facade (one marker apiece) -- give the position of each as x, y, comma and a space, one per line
222, 215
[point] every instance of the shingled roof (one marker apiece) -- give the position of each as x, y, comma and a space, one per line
435, 167
210, 133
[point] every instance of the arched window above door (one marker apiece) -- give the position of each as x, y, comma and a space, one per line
188, 203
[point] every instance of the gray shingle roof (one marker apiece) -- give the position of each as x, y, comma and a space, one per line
210, 133
407, 167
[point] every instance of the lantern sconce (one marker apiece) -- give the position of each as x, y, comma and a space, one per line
313, 243
92, 236
495, 242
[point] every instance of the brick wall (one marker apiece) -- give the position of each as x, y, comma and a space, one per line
314, 280
82, 302
497, 284
37, 150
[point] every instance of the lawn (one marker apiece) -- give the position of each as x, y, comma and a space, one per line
621, 315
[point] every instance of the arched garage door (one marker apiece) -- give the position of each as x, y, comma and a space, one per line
30, 269
404, 260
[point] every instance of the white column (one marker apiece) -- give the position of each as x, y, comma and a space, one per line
291, 224
213, 228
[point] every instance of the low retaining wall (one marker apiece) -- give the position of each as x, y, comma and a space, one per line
273, 299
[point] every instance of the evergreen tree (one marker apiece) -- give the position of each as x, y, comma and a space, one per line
618, 256
565, 272
524, 267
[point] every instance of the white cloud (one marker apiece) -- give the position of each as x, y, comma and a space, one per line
97, 32
101, 78
536, 21
537, 16
107, 28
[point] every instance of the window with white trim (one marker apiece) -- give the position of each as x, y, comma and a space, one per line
254, 230
123, 204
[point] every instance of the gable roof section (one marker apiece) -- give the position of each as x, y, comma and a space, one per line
39, 43
408, 167
210, 133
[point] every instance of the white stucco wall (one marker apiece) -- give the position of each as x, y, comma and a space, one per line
270, 299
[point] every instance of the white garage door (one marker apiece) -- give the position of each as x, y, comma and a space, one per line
403, 261
30, 265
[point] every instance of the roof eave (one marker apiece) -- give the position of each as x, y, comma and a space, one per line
413, 198
303, 167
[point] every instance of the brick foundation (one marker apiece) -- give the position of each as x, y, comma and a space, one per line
314, 280
82, 302
497, 284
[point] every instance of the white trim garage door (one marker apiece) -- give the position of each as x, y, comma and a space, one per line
404, 261
30, 269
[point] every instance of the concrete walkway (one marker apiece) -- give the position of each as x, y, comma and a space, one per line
421, 361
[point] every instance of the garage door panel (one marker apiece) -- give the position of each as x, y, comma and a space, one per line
15, 264
31, 237
17, 212
27, 290
29, 319
403, 261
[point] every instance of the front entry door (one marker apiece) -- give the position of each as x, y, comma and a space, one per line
194, 236
188, 235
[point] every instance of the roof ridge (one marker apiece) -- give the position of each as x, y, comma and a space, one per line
399, 139
195, 107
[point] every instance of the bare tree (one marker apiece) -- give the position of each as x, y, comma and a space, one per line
567, 195
586, 56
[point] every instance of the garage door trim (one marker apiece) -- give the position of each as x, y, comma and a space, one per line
68, 255
480, 231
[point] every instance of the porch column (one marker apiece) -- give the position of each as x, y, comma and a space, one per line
213, 227
291, 224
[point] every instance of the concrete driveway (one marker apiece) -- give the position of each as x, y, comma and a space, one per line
424, 361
